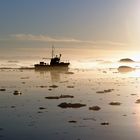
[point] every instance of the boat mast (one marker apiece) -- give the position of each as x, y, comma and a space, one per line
52, 51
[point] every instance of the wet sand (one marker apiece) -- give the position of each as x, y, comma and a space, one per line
29, 104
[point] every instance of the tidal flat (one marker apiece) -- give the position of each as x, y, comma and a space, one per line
30, 104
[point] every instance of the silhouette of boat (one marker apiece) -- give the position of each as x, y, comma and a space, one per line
55, 63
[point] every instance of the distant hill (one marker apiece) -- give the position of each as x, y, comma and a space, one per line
126, 60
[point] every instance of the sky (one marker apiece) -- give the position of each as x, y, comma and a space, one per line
100, 24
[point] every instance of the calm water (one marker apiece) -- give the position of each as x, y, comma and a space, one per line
30, 115
21, 116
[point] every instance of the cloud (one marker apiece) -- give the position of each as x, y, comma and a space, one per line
46, 38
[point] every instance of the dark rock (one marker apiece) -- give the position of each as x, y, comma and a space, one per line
105, 123
16, 92
138, 101
13, 106
95, 108
43, 86
114, 103
13, 61
105, 91
108, 90
2, 89
52, 97
125, 69
25, 77
126, 60
66, 96
104, 71
93, 119
100, 92
70, 86
41, 108
133, 94
71, 105
53, 86
69, 72
72, 121
39, 112
59, 97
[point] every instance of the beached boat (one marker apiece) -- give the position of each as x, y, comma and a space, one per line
55, 63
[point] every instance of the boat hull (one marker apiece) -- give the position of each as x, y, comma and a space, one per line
48, 67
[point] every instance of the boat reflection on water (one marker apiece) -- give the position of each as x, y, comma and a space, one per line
55, 74
55, 67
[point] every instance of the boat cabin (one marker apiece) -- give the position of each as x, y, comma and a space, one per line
55, 60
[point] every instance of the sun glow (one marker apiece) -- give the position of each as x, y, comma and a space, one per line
134, 26
136, 57
136, 74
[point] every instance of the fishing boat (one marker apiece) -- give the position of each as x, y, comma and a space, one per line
55, 63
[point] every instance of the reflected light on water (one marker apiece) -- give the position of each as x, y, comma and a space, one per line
135, 73
83, 65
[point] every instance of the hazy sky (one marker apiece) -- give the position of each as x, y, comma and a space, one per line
93, 23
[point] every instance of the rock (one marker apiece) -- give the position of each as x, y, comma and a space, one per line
59, 97
105, 91
126, 60
137, 101
100, 92
39, 112
72, 121
71, 105
133, 94
70, 86
105, 123
124, 69
53, 86
41, 108
95, 108
93, 119
104, 71
16, 92
2, 89
69, 72
114, 103
108, 90
66, 96
13, 106
13, 61
43, 86
52, 97
64, 81
25, 77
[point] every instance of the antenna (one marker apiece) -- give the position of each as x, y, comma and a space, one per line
60, 55
52, 51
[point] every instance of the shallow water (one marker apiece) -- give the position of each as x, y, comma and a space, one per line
22, 119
